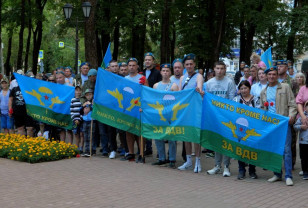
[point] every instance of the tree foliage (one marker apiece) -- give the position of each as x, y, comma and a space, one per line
168, 28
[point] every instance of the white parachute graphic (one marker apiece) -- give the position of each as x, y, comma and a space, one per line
241, 127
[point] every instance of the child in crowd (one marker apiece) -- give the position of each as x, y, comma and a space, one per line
7, 123
77, 119
303, 142
86, 128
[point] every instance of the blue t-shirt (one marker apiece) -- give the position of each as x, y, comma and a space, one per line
135, 78
271, 98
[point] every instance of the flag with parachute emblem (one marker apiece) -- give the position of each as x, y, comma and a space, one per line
266, 57
170, 115
47, 102
117, 102
252, 135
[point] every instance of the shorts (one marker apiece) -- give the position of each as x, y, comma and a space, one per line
7, 122
25, 120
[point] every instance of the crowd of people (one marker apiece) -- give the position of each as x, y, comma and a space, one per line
276, 89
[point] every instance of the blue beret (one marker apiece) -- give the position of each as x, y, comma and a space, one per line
149, 54
273, 68
189, 56
122, 64
132, 59
165, 66
92, 72
282, 62
85, 63
176, 60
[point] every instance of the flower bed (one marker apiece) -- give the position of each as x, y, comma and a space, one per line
34, 149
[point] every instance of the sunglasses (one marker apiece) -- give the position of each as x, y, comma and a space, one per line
51, 80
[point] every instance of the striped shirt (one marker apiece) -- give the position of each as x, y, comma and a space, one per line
75, 109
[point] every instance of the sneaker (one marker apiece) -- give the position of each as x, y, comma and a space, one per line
105, 154
83, 154
253, 175
213, 171
305, 176
209, 154
193, 154
93, 152
197, 168
140, 159
241, 176
129, 157
185, 166
226, 172
301, 173
159, 162
120, 149
171, 165
112, 155
289, 182
274, 179
87, 154
122, 153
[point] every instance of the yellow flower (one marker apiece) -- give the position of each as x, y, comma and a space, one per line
12, 158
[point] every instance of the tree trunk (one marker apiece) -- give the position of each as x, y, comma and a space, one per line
90, 38
116, 40
37, 34
21, 35
291, 38
29, 36
105, 36
173, 41
28, 45
7, 64
98, 49
220, 30
247, 32
165, 40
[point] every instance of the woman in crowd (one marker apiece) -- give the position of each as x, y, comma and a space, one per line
247, 99
259, 86
253, 74
300, 80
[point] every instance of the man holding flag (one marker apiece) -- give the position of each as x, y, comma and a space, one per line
191, 80
278, 98
153, 76
133, 76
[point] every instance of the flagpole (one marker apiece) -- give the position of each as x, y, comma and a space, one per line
91, 137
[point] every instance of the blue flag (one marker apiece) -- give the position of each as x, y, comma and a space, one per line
117, 102
107, 58
47, 102
248, 134
171, 115
266, 57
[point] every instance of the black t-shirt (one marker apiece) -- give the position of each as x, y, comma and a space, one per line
18, 105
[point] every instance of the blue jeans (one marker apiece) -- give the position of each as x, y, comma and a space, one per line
219, 157
287, 156
7, 122
87, 133
242, 168
160, 145
103, 137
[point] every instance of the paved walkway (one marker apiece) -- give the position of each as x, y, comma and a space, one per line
102, 182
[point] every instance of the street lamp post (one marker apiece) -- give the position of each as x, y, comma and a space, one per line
68, 9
